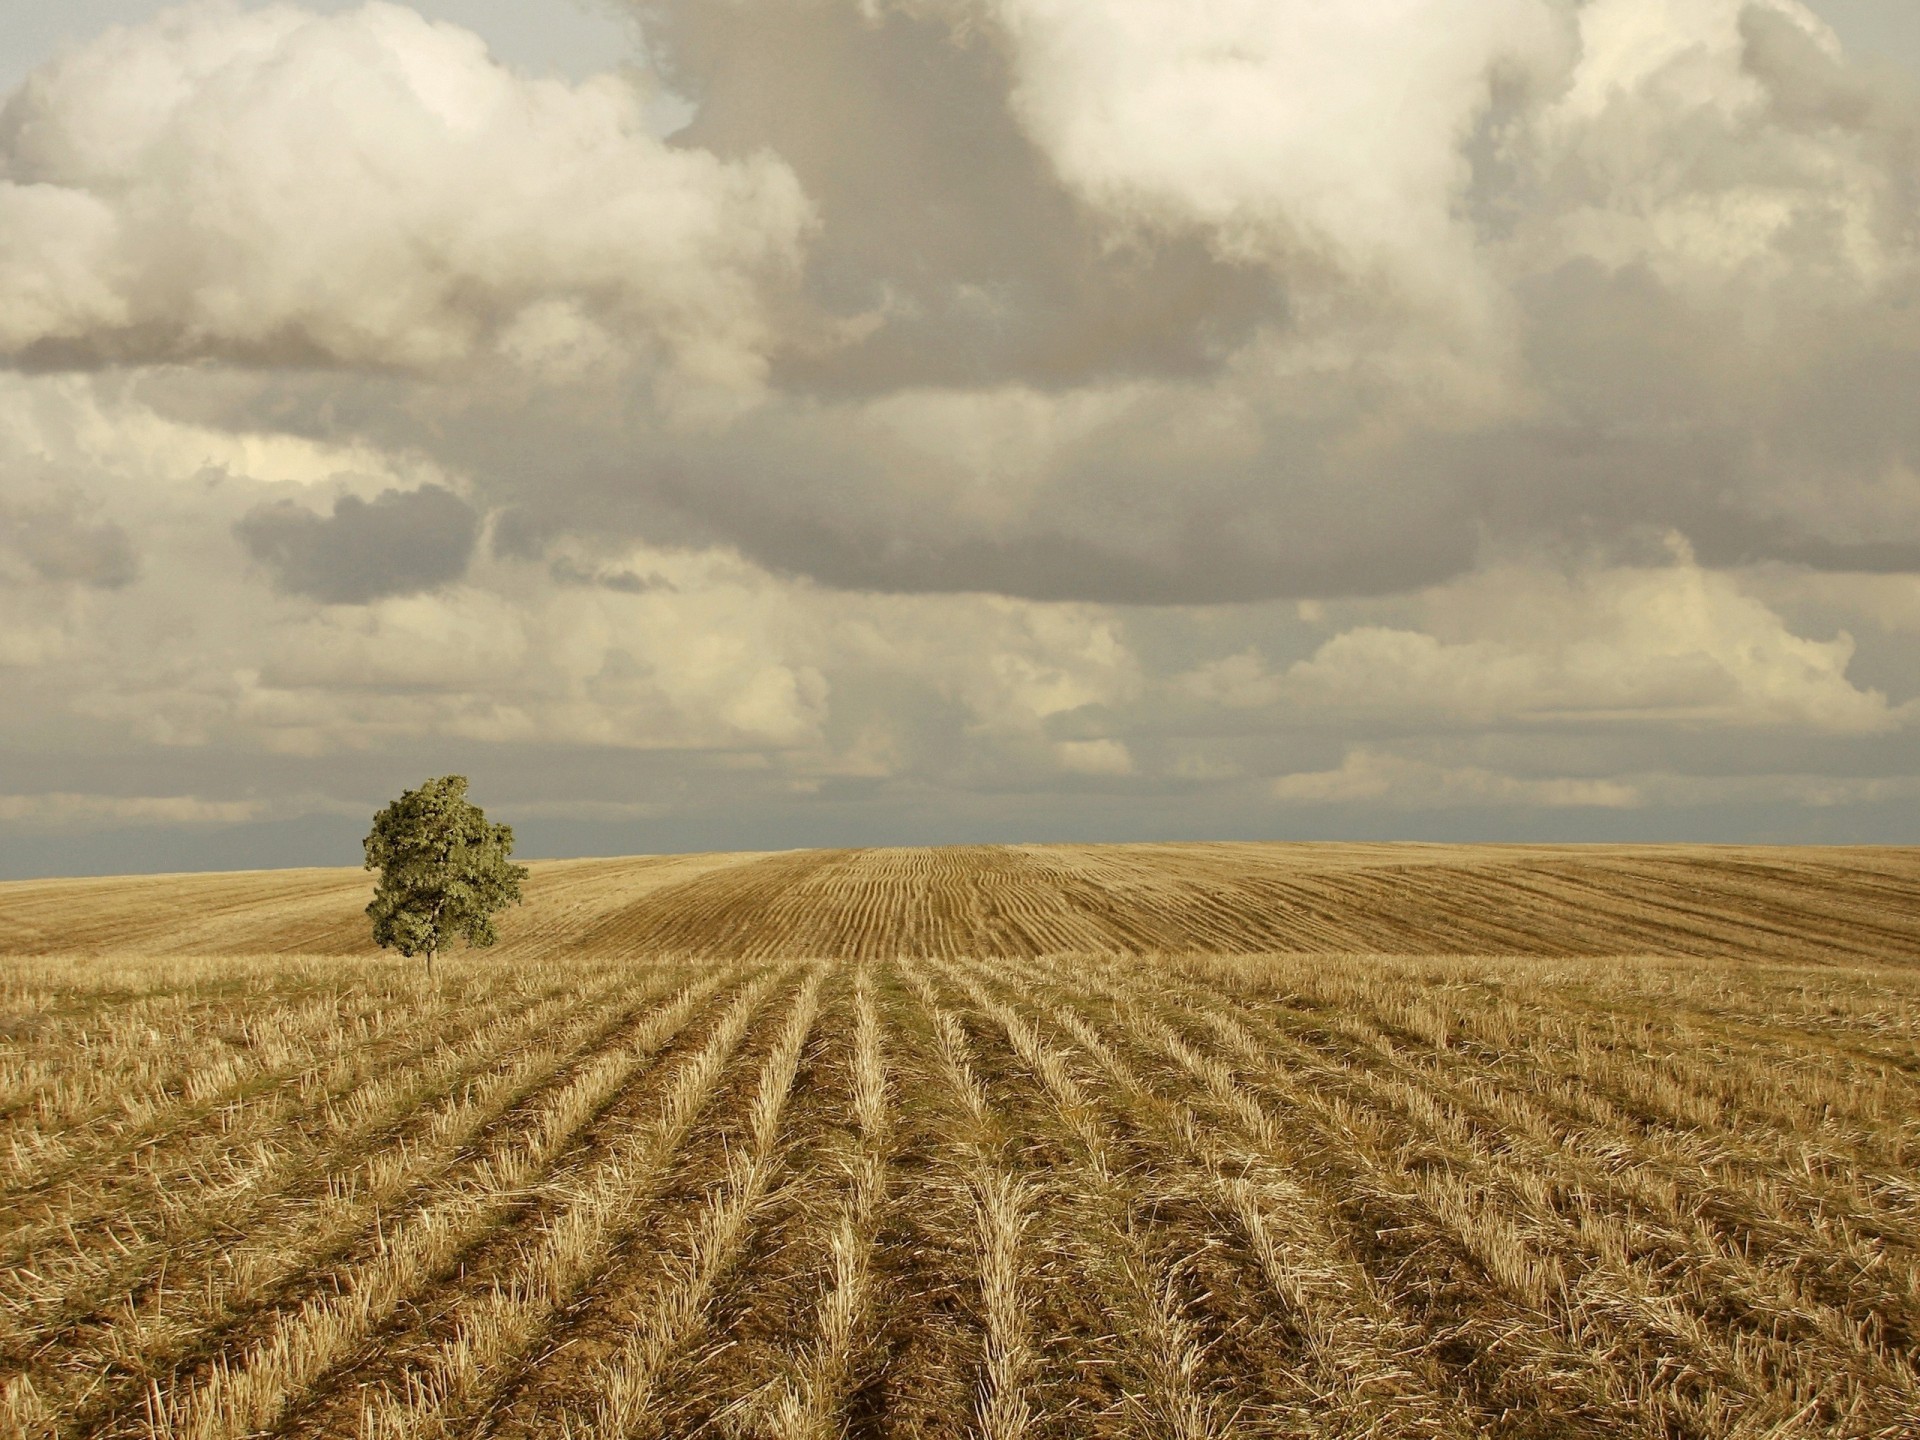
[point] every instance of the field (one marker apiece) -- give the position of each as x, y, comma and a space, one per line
1169, 1141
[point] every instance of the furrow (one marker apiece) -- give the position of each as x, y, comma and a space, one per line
1159, 1351
806, 1402
239, 1395
78, 1257
493, 1330
1767, 1223
1002, 1204
114, 1103
1365, 1367
1525, 1249
202, 1286
628, 1383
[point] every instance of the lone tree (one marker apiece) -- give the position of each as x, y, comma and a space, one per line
443, 870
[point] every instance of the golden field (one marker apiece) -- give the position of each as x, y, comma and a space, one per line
1169, 1141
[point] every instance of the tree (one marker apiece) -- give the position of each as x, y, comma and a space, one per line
443, 871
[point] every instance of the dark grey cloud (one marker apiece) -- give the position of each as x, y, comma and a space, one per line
941, 221
1130, 517
399, 543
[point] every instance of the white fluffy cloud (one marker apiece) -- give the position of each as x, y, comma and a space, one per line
1670, 645
128, 596
715, 655
1723, 144
1279, 126
369, 188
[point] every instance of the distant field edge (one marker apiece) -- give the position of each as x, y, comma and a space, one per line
1788, 904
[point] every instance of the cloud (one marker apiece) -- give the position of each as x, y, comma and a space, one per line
273, 186
1672, 646
1376, 777
942, 426
62, 810
1276, 127
1388, 779
719, 657
454, 642
56, 540
1632, 267
399, 543
32, 637
1086, 301
947, 252
1726, 146
566, 570
1094, 757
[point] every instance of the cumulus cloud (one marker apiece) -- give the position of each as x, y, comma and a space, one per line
950, 415
1081, 301
1671, 645
1595, 271
269, 185
720, 656
1725, 146
1276, 126
33, 636
1377, 777
399, 543
63, 810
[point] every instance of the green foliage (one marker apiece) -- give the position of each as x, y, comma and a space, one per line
443, 869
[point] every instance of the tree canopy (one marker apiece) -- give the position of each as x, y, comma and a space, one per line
443, 869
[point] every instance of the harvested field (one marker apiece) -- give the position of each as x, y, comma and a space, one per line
1169, 1141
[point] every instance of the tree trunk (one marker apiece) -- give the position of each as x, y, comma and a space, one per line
433, 935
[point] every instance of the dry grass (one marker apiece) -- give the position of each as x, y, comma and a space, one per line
1007, 1143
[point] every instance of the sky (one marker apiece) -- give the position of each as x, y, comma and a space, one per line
822, 422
